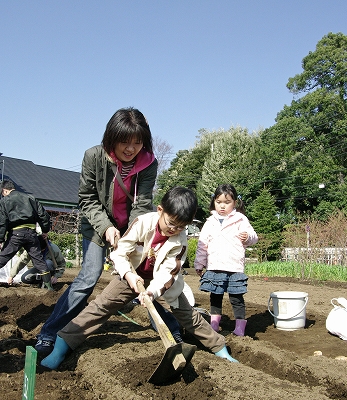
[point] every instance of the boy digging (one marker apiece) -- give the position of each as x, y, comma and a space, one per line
155, 245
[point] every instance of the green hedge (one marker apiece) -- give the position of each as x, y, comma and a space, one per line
67, 244
192, 245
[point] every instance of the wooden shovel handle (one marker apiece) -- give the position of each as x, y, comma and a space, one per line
163, 330
52, 254
179, 361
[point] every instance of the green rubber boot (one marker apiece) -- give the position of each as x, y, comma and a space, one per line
46, 279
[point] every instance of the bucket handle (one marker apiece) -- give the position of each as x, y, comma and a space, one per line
276, 316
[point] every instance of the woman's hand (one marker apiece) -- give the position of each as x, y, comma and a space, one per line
200, 272
112, 235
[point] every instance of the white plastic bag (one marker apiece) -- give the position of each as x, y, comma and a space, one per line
336, 322
5, 271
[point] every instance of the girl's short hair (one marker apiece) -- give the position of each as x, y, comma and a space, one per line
125, 125
225, 189
180, 204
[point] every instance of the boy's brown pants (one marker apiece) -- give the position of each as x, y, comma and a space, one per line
115, 296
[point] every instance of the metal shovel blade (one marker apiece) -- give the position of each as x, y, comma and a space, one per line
168, 369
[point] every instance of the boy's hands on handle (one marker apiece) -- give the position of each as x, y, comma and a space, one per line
136, 280
136, 283
133, 279
142, 295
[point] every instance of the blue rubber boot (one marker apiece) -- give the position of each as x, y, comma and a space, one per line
224, 354
53, 360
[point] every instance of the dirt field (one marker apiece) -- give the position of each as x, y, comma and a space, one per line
117, 362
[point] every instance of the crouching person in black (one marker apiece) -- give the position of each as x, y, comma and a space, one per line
54, 259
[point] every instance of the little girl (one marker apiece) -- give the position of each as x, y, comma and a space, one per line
221, 250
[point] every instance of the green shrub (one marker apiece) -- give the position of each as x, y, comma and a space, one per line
67, 243
192, 245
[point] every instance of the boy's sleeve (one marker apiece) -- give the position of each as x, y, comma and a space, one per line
167, 281
127, 246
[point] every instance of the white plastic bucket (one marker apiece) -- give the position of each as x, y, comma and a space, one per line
289, 309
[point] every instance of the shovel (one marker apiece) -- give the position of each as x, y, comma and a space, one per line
177, 355
52, 254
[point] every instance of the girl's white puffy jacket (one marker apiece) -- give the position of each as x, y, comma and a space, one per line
219, 248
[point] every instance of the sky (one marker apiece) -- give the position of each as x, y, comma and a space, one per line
66, 66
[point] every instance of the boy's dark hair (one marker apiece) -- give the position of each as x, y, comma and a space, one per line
231, 191
127, 124
180, 204
7, 184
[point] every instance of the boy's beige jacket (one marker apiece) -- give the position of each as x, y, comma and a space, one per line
133, 248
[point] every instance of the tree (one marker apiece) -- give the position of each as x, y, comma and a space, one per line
185, 169
308, 144
265, 221
301, 160
162, 150
324, 68
324, 78
298, 165
232, 160
218, 157
173, 176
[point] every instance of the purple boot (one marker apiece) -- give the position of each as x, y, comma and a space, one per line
215, 320
240, 327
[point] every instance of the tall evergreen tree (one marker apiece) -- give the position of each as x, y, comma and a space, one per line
232, 160
306, 150
265, 220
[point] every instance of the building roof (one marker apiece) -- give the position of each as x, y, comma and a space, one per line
56, 189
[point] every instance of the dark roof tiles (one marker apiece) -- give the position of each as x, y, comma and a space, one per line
45, 183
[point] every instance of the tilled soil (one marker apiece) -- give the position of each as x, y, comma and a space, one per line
118, 360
